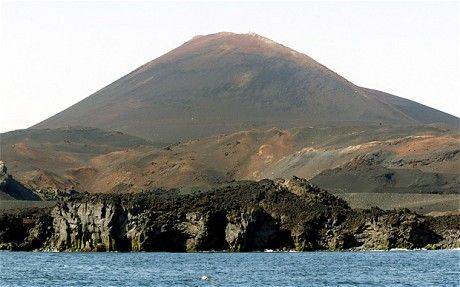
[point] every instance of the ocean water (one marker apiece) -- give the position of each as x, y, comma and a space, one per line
401, 268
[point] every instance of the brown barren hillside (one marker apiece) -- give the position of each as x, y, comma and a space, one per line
371, 159
228, 82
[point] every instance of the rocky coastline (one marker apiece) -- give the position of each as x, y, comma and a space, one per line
280, 215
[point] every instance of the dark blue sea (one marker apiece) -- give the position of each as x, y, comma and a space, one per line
393, 268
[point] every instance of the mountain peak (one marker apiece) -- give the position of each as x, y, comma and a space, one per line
226, 42
227, 82
229, 34
218, 34
233, 37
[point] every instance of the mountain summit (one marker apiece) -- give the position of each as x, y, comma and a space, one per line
228, 82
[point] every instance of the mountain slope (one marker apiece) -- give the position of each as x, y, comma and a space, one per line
60, 159
373, 159
229, 82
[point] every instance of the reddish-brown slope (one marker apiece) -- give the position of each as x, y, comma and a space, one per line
349, 159
228, 82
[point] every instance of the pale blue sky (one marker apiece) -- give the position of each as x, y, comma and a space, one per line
57, 53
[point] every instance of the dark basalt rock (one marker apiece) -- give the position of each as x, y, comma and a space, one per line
25, 230
239, 216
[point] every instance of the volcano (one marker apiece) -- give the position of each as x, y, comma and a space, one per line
229, 82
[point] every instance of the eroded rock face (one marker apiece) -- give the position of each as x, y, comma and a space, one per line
89, 226
398, 229
241, 216
256, 230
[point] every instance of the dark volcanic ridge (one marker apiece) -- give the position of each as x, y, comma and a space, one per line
241, 216
228, 82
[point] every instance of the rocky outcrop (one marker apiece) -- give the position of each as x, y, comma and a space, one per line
13, 189
25, 230
448, 227
240, 216
3, 175
378, 229
88, 226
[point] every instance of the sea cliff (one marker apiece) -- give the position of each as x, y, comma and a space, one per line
239, 216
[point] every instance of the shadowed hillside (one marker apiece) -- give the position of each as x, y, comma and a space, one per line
11, 189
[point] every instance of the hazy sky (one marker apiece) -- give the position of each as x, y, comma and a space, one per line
54, 54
